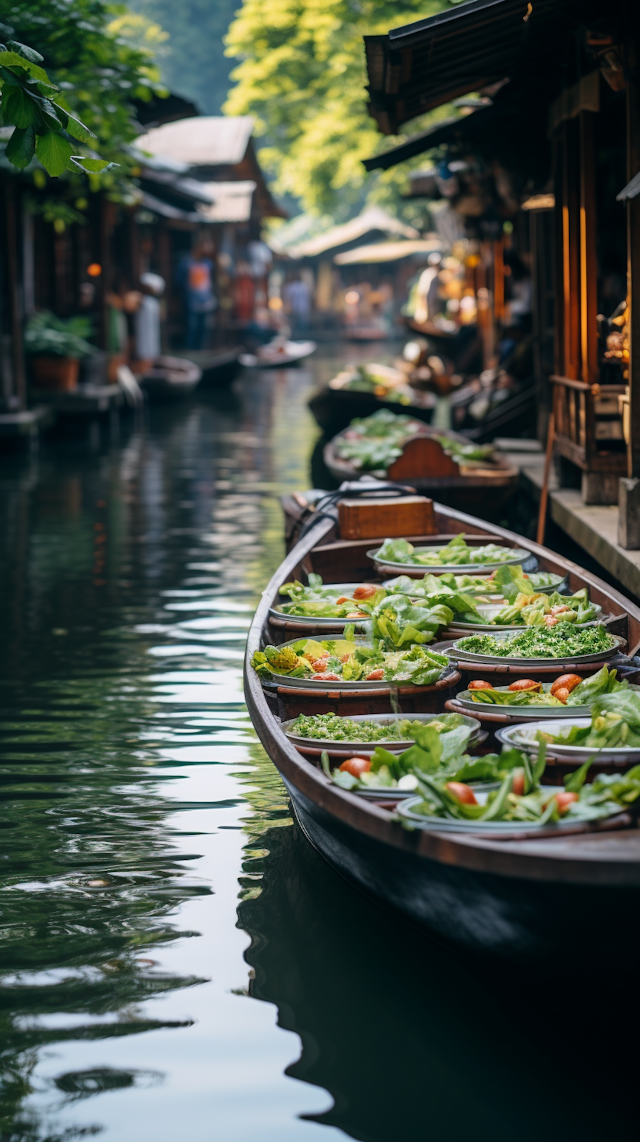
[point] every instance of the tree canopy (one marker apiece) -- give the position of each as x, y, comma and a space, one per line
302, 75
96, 69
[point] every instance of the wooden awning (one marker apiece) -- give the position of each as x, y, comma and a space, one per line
468, 48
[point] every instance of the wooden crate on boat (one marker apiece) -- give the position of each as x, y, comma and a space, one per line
382, 517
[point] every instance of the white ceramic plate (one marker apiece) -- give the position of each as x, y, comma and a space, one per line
520, 556
524, 737
395, 744
406, 810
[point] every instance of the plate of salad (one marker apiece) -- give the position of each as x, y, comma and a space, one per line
569, 696
315, 664
327, 605
532, 610
501, 586
522, 804
434, 751
325, 731
454, 556
610, 734
537, 645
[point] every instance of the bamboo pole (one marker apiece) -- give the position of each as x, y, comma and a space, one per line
544, 493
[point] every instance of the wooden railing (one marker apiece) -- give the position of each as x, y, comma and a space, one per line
584, 414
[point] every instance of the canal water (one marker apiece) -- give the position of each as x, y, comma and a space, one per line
175, 961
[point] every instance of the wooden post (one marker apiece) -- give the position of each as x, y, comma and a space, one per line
544, 492
629, 488
106, 284
498, 280
15, 308
633, 249
570, 250
589, 369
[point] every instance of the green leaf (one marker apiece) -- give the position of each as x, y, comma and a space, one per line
20, 108
54, 152
540, 764
77, 128
92, 166
574, 782
55, 117
25, 51
21, 147
47, 89
12, 59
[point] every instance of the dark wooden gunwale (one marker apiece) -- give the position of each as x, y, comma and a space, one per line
598, 857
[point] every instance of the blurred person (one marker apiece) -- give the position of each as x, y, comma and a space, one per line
244, 293
297, 300
426, 295
519, 289
147, 319
195, 278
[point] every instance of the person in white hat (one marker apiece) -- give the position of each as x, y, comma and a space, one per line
148, 347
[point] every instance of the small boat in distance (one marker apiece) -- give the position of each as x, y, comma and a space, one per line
170, 378
278, 354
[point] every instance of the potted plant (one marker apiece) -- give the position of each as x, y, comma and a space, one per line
56, 347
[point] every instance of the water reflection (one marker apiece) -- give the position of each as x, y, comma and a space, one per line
129, 576
412, 1039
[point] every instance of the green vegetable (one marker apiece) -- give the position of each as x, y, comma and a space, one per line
456, 551
465, 453
416, 666
506, 582
560, 641
605, 681
318, 601
608, 794
379, 379
532, 609
374, 442
397, 621
331, 727
439, 748
615, 724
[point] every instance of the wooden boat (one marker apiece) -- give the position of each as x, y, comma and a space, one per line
171, 378
278, 356
512, 417
538, 895
219, 366
334, 409
425, 466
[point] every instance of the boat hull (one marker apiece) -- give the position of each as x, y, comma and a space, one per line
484, 913
334, 409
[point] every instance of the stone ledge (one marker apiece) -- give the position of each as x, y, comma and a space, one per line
593, 527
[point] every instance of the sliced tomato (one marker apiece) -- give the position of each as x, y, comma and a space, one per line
480, 684
356, 766
518, 782
564, 800
461, 792
375, 675
566, 682
328, 676
526, 684
365, 591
